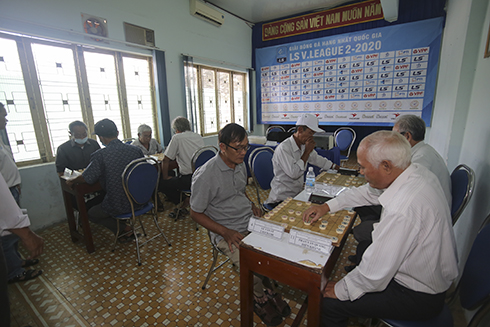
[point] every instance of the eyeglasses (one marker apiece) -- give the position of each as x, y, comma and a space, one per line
239, 149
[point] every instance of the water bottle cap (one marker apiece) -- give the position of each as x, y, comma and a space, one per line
310, 169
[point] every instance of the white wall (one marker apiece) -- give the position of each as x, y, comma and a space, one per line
176, 32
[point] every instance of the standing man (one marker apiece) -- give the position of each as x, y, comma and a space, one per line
75, 153
8, 168
107, 166
147, 144
181, 148
412, 260
291, 158
219, 203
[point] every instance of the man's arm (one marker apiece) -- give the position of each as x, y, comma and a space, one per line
309, 147
165, 165
33, 242
231, 236
78, 179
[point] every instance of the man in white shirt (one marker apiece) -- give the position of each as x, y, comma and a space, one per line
181, 148
8, 168
147, 144
412, 261
291, 158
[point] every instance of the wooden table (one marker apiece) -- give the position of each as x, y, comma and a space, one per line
309, 280
79, 190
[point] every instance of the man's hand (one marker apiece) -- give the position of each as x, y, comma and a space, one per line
329, 290
33, 242
314, 213
310, 145
256, 210
232, 237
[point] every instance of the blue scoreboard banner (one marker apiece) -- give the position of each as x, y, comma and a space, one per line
368, 77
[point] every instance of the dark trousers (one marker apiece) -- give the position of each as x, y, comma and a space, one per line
395, 302
4, 297
172, 187
369, 215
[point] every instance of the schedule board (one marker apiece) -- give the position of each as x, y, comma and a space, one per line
368, 77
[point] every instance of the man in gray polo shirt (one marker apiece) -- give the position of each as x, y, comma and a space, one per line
219, 203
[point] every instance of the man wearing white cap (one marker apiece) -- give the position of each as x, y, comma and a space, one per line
291, 158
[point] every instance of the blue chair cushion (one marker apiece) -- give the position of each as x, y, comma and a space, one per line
444, 319
138, 212
263, 169
344, 139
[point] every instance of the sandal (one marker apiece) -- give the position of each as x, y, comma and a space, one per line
281, 306
127, 238
267, 313
26, 275
28, 262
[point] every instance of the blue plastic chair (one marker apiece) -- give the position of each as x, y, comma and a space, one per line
199, 158
344, 139
260, 163
462, 185
140, 182
473, 287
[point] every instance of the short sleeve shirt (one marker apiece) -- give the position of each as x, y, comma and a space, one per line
74, 157
107, 166
182, 147
8, 168
154, 147
218, 191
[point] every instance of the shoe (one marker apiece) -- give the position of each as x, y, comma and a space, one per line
267, 313
281, 306
26, 275
28, 263
350, 268
352, 258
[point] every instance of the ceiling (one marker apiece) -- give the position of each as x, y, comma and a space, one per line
256, 11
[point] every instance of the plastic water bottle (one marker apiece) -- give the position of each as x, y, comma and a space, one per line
310, 181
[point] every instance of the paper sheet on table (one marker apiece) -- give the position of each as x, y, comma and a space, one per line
282, 249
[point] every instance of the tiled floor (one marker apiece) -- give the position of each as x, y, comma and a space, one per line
109, 289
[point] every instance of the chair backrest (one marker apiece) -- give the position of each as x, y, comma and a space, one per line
462, 185
292, 130
275, 129
344, 138
128, 140
474, 285
260, 163
140, 180
202, 155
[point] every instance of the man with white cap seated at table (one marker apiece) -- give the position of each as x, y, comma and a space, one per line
291, 158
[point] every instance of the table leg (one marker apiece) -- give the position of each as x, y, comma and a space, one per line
87, 232
246, 293
314, 306
67, 198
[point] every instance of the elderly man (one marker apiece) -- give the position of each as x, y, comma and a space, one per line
291, 158
107, 166
181, 148
412, 261
219, 203
75, 153
8, 168
413, 129
145, 142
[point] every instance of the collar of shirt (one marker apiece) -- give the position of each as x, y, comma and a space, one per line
417, 146
391, 190
223, 166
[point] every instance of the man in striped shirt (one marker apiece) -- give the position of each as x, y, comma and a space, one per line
412, 261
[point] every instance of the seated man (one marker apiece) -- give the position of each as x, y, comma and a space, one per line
75, 153
220, 204
413, 129
181, 148
107, 166
412, 260
291, 158
145, 142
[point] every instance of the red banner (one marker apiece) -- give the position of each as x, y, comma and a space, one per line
347, 15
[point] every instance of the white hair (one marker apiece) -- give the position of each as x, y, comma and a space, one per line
143, 128
387, 145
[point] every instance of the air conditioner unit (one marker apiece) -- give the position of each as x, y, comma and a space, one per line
139, 35
207, 13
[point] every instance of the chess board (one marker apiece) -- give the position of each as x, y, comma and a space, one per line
341, 180
333, 225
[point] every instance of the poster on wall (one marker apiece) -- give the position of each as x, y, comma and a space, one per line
367, 77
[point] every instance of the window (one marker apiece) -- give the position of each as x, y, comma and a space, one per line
45, 85
218, 97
